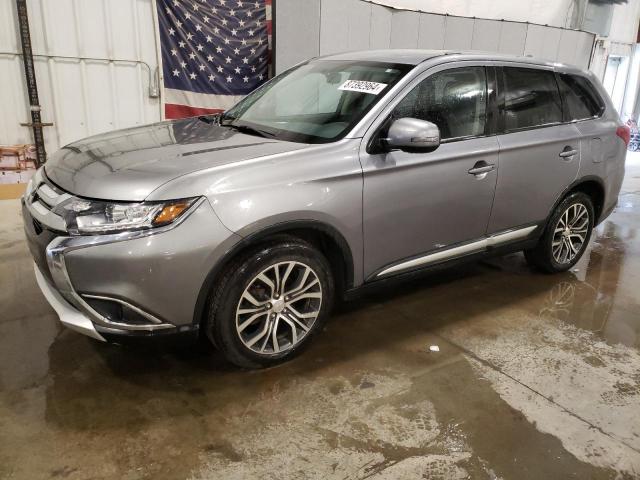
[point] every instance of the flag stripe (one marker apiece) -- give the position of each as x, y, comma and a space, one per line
181, 111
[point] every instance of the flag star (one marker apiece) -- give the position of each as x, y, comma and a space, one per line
253, 69
234, 32
189, 36
178, 23
176, 2
200, 47
240, 4
193, 76
192, 56
187, 15
198, 27
219, 49
209, 38
246, 79
223, 2
211, 78
172, 31
224, 21
195, 7
258, 23
260, 41
244, 42
205, 19
176, 73
237, 69
168, 10
216, 30
183, 64
210, 58
232, 12
261, 76
174, 52
202, 67
236, 51
226, 41
251, 32
181, 44
245, 60
242, 23
214, 10
253, 51
229, 78
249, 13
257, 5
220, 69
228, 60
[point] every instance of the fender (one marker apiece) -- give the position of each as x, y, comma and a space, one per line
255, 237
574, 184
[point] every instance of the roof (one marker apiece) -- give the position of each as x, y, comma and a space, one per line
416, 56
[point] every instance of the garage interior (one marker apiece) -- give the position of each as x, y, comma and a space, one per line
488, 370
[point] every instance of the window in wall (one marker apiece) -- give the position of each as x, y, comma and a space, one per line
455, 100
580, 99
531, 98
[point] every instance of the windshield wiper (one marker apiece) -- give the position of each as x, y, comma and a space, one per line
249, 130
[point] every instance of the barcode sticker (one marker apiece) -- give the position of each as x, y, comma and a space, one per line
363, 86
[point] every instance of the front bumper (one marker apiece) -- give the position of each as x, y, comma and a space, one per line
152, 279
69, 316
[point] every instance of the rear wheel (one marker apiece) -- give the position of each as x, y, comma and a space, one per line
270, 303
566, 236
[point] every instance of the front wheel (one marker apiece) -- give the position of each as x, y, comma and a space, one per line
270, 303
566, 236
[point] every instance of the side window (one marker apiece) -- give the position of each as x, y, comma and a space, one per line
580, 99
531, 98
455, 100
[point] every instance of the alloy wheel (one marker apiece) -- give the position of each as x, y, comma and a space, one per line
570, 233
278, 307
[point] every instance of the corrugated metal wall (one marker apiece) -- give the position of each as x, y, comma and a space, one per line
96, 67
320, 27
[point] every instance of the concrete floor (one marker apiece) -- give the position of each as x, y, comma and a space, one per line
536, 377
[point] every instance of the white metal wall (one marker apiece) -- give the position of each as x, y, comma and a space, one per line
320, 27
104, 82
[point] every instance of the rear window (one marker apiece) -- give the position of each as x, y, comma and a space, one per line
580, 98
531, 98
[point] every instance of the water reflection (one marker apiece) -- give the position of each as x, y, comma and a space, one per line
589, 299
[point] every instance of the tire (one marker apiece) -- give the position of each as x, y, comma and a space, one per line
243, 289
552, 257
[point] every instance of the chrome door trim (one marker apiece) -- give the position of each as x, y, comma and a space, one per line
460, 251
510, 235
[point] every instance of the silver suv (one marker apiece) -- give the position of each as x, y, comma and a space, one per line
342, 171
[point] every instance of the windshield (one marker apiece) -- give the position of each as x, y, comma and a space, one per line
317, 102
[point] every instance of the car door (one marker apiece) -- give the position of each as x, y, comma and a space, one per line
415, 204
539, 154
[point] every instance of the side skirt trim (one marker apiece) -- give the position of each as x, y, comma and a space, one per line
459, 251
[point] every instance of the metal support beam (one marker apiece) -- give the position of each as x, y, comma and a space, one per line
30, 76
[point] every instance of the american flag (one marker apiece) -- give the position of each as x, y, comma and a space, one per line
214, 52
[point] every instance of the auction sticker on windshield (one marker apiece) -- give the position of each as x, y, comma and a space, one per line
362, 86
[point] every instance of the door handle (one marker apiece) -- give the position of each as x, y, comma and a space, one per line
481, 168
568, 152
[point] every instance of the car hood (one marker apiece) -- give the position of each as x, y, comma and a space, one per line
127, 165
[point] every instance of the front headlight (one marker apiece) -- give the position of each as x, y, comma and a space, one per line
94, 216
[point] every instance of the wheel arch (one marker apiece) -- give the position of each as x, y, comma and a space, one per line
323, 236
592, 186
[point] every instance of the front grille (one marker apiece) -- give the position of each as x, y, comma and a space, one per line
42, 200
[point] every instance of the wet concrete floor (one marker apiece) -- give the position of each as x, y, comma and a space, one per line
536, 377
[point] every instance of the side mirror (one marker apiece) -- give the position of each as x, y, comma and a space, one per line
413, 135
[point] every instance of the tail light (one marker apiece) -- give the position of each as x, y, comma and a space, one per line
624, 132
